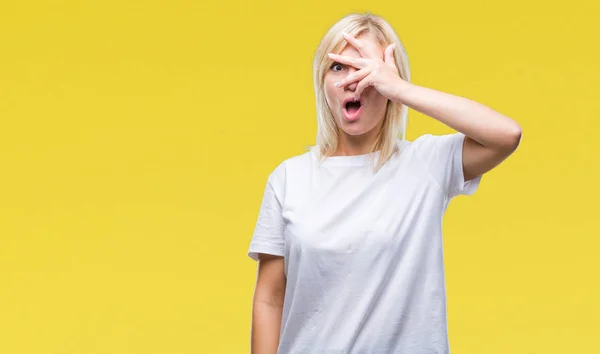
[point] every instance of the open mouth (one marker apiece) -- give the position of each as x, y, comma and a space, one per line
353, 106
352, 109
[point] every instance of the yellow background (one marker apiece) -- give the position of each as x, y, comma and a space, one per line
136, 138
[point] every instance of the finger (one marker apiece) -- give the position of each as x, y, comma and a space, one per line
358, 63
359, 46
362, 85
352, 78
389, 55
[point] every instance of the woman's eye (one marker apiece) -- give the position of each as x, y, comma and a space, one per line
337, 67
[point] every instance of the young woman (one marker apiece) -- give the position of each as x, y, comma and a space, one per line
349, 234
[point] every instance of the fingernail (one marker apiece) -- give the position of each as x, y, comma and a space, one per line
330, 54
345, 34
337, 84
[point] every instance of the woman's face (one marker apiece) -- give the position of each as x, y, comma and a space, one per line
352, 118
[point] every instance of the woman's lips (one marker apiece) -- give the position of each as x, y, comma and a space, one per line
355, 113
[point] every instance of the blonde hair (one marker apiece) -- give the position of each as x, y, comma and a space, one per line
395, 113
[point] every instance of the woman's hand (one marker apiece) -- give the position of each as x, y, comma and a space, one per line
372, 71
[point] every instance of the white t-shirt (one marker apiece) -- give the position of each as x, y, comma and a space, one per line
363, 250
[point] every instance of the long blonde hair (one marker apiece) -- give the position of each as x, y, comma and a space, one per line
396, 113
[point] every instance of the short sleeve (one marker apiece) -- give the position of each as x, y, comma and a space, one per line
268, 233
443, 155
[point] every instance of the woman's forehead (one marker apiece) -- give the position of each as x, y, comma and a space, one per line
366, 39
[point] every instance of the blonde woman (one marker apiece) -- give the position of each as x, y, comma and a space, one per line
349, 234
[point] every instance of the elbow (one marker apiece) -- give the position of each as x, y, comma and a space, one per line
515, 136
511, 138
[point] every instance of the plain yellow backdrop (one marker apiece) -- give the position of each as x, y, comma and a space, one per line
136, 138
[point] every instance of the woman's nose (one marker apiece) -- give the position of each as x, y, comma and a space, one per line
352, 86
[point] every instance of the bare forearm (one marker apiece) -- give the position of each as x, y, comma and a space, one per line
266, 325
475, 120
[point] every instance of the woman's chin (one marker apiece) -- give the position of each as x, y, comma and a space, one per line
354, 130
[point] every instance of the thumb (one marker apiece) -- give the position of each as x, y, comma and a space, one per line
389, 55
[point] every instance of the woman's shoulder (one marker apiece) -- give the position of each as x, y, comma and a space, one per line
427, 142
290, 165
429, 138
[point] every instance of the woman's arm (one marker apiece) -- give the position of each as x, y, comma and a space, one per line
268, 304
490, 136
